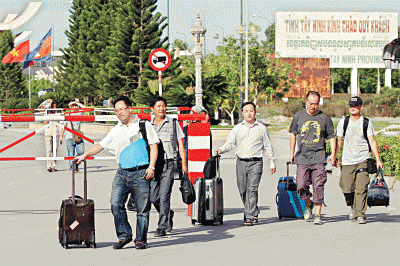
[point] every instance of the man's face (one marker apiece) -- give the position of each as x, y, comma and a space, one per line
123, 112
249, 113
355, 110
159, 110
312, 104
74, 106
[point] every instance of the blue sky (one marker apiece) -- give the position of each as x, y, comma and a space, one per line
223, 13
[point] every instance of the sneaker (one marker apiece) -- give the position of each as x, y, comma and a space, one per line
351, 214
160, 232
248, 222
170, 221
317, 219
122, 242
308, 212
140, 245
361, 220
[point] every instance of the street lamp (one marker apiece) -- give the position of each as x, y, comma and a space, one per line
252, 31
257, 16
198, 32
223, 32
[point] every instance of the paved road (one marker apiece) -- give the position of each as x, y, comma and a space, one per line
30, 199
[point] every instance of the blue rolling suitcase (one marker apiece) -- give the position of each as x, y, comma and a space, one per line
287, 199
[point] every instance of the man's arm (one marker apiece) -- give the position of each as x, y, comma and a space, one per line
95, 149
292, 147
332, 157
153, 159
230, 142
182, 153
375, 150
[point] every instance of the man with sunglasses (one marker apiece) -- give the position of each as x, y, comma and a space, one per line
134, 174
354, 177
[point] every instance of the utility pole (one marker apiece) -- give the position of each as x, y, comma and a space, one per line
241, 63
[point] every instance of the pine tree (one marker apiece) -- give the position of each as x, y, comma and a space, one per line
12, 85
88, 38
136, 32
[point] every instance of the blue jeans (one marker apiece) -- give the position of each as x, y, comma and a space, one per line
71, 147
160, 193
126, 182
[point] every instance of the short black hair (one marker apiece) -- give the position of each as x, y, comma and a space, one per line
247, 103
126, 100
314, 93
157, 99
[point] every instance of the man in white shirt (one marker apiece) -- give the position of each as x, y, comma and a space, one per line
252, 140
354, 177
134, 174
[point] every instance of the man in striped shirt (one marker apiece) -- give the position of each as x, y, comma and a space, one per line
252, 140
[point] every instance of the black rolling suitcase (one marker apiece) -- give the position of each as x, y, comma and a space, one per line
76, 223
209, 205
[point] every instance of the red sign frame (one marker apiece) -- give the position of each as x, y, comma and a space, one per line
153, 54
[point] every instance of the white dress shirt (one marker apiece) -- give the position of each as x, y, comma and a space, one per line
250, 141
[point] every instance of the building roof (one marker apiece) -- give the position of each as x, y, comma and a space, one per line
38, 71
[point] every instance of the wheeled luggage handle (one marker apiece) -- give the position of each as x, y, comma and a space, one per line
287, 176
84, 181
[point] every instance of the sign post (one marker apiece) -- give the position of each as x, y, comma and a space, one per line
159, 60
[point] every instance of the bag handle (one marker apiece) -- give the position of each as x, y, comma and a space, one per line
287, 175
84, 181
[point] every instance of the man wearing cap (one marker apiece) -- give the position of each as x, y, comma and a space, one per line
354, 177
72, 146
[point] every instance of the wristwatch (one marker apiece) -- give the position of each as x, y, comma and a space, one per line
152, 167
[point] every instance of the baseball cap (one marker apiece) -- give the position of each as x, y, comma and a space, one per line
355, 101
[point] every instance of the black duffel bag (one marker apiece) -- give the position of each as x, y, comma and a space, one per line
187, 190
378, 192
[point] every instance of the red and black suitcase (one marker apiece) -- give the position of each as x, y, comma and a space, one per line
76, 223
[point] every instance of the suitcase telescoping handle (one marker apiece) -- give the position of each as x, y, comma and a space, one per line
84, 181
287, 175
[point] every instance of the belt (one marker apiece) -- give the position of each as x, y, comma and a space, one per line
253, 159
137, 168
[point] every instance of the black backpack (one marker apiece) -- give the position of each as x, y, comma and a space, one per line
161, 152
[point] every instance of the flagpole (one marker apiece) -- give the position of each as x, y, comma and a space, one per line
29, 70
52, 44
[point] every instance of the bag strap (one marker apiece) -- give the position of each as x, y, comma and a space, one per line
174, 139
365, 129
142, 129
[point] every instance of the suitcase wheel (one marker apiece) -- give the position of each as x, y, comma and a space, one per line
65, 240
280, 217
93, 240
193, 222
221, 222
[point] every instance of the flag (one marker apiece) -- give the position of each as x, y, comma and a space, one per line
42, 52
17, 53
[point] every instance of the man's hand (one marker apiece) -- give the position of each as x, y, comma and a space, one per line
61, 139
291, 159
149, 173
184, 169
379, 164
333, 160
273, 170
219, 152
79, 158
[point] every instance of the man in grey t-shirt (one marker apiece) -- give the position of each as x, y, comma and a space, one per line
310, 128
354, 177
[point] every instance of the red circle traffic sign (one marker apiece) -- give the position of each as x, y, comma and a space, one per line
159, 59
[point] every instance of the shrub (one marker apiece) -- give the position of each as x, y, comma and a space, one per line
293, 106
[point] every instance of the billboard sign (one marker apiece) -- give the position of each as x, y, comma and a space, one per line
348, 39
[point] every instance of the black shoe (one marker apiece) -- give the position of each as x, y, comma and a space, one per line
122, 242
50, 169
55, 170
170, 221
160, 232
140, 245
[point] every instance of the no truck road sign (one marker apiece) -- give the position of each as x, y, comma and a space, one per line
160, 59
